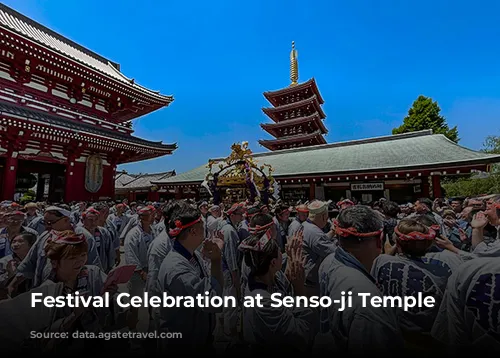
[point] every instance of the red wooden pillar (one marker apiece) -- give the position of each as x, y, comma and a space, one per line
69, 182
153, 196
9, 175
312, 191
436, 186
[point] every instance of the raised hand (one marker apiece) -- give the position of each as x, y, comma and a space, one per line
445, 243
463, 234
218, 238
480, 221
211, 250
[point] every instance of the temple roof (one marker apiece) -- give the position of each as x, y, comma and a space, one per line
312, 100
32, 30
269, 127
271, 96
409, 151
51, 119
125, 181
269, 143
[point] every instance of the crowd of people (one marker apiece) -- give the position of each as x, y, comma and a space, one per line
447, 248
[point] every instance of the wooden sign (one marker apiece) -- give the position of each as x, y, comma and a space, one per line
367, 186
93, 173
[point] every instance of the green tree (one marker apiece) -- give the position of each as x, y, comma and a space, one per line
424, 114
491, 144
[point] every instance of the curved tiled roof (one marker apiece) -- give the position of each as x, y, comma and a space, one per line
48, 118
32, 30
269, 127
417, 150
127, 181
270, 95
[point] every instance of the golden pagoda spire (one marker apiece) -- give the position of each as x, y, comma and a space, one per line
294, 66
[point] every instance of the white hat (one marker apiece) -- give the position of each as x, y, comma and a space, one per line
61, 211
317, 206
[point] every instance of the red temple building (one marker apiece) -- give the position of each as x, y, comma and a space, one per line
66, 115
296, 113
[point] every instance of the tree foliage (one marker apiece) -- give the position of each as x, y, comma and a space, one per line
425, 114
474, 185
491, 144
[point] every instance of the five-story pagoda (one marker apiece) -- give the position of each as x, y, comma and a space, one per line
296, 113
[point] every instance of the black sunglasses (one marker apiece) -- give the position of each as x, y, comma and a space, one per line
52, 222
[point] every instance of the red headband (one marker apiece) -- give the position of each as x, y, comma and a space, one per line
145, 209
17, 212
90, 211
70, 238
302, 210
351, 231
235, 207
415, 235
259, 245
257, 228
179, 227
346, 201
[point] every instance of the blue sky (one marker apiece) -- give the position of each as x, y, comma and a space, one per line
371, 59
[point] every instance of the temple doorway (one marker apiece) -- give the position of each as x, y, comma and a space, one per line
40, 180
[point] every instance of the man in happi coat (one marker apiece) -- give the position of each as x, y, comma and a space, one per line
468, 319
100, 236
316, 245
213, 220
136, 248
410, 271
491, 215
300, 218
231, 265
357, 330
119, 218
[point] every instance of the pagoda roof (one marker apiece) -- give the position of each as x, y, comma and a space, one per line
270, 127
272, 96
270, 143
410, 151
79, 127
36, 32
139, 181
272, 111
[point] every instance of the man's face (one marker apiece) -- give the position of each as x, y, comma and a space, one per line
420, 207
90, 221
216, 213
53, 222
15, 221
147, 217
302, 216
204, 209
456, 206
31, 211
284, 216
237, 217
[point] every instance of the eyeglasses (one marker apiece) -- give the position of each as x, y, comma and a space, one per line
52, 222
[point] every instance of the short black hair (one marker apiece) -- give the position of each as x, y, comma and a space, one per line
427, 202
172, 209
185, 214
391, 209
29, 237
